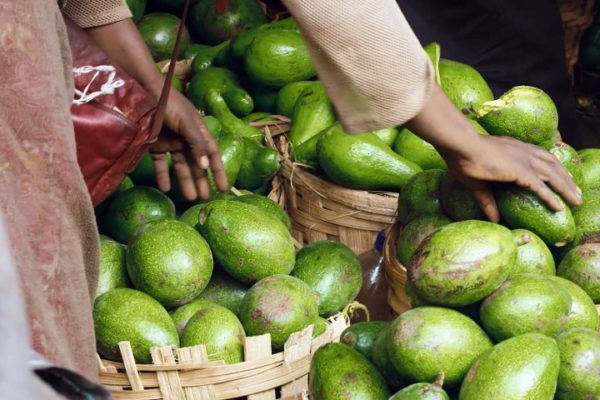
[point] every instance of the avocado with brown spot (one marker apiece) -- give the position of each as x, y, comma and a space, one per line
421, 195
582, 266
579, 376
423, 391
112, 273
583, 313
587, 219
415, 232
533, 255
361, 336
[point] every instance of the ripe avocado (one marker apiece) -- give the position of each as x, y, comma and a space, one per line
332, 270
129, 315
362, 336
279, 305
338, 372
113, 270
582, 266
421, 195
579, 364
533, 255
170, 261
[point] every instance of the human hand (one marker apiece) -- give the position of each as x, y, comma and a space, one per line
503, 159
193, 150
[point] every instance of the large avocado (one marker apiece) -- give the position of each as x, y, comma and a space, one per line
381, 168
170, 261
578, 378
133, 208
338, 372
533, 255
332, 270
582, 266
417, 150
219, 330
159, 31
247, 243
113, 270
278, 57
524, 112
428, 340
464, 86
225, 291
421, 195
458, 201
521, 368
525, 303
267, 205
444, 271
214, 21
590, 168
521, 208
361, 336
279, 305
423, 391
415, 232
583, 313
129, 315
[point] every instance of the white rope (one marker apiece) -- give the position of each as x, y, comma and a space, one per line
107, 88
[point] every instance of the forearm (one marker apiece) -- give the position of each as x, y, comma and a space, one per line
125, 46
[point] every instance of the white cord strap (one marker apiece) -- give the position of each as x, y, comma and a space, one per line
107, 88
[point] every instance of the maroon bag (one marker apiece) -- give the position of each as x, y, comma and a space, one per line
114, 118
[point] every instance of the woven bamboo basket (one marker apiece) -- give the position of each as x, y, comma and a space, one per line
321, 210
577, 16
395, 272
187, 374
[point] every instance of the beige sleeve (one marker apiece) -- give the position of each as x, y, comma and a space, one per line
368, 58
91, 13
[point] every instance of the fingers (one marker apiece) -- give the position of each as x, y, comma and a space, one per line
219, 175
540, 189
200, 179
161, 168
487, 203
561, 181
184, 176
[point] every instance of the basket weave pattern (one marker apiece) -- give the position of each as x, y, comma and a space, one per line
187, 374
577, 16
395, 272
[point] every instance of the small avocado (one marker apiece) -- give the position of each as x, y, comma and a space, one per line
383, 362
579, 364
421, 195
225, 291
361, 336
423, 391
533, 255
583, 312
582, 266
590, 168
113, 269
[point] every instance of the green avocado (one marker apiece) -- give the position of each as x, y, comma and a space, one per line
219, 330
230, 123
137, 8
434, 52
361, 336
338, 372
525, 303
203, 56
387, 135
289, 94
521, 208
125, 314
225, 291
362, 161
587, 219
264, 97
423, 391
579, 364
279, 305
182, 314
159, 31
417, 150
583, 312
458, 202
464, 86
524, 112
248, 244
267, 205
333, 271
259, 116
125, 184
214, 126
421, 195
415, 232
320, 326
170, 261
589, 168
113, 270
227, 84
446, 272
144, 173
532, 255
582, 266
259, 165
524, 367
567, 156
381, 359
278, 57
132, 208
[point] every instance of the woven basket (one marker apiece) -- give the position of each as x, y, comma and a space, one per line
395, 272
321, 210
186, 373
577, 16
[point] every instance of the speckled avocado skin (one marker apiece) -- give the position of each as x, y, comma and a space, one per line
421, 391
362, 336
533, 255
587, 219
248, 244
191, 215
333, 271
320, 326
170, 261
464, 86
458, 202
267, 205
446, 272
113, 271
338, 372
525, 303
521, 208
182, 314
130, 315
578, 378
421, 195
428, 340
219, 330
590, 168
582, 266
583, 313
132, 208
279, 305
415, 232
419, 151
382, 361
521, 368
225, 291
